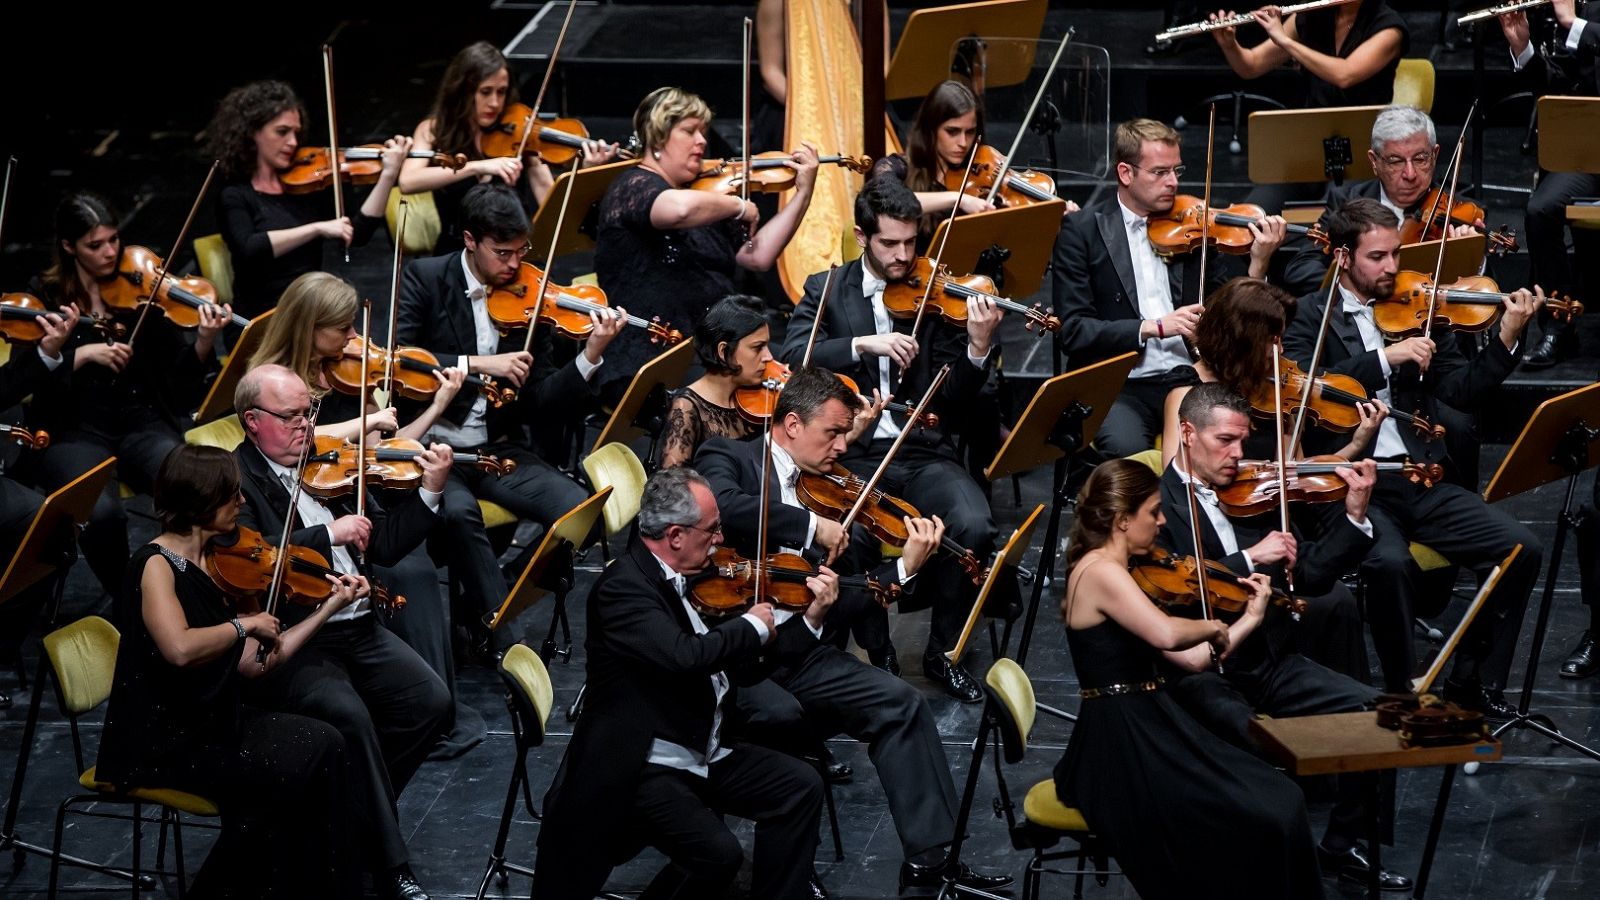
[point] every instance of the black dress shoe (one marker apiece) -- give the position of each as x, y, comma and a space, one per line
1353, 865
913, 875
885, 659
835, 771
1487, 700
950, 676
1584, 660
818, 892
1546, 354
399, 884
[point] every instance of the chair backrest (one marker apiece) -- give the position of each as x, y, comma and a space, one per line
615, 466
84, 658
422, 221
216, 264
226, 433
1413, 84
1012, 702
532, 695
1151, 458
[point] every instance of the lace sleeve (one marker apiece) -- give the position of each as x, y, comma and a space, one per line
629, 199
682, 434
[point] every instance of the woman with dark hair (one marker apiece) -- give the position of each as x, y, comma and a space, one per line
116, 400
175, 719
273, 235
1168, 797
731, 343
475, 90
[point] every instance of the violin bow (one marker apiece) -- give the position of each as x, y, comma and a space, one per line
550, 68
5, 193
761, 518
1016, 143
938, 256
166, 261
1438, 265
1205, 211
1455, 157
1199, 547
822, 304
361, 436
744, 131
394, 310
281, 561
549, 263
334, 164
916, 416
1283, 458
1316, 352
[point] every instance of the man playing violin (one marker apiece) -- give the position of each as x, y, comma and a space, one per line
650, 762
1266, 672
444, 310
857, 337
354, 674
827, 688
1419, 375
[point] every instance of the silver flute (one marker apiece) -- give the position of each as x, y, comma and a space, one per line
1246, 18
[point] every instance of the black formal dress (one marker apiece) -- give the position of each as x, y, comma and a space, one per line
651, 679
245, 216
280, 780
1170, 798
1316, 31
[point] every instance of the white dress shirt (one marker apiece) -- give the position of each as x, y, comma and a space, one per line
1206, 499
50, 362
1389, 443
1160, 355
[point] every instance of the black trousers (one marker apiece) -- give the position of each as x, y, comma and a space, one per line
1468, 532
388, 705
424, 624
681, 815
1134, 420
1331, 633
1546, 224
1289, 686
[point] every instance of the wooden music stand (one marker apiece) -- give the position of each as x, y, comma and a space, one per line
1009, 557
1567, 126
647, 390
1463, 256
925, 54
566, 536
219, 400
1061, 419
1025, 235
1422, 683
577, 231
39, 554
1312, 145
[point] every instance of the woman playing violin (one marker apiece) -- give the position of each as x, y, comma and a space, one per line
276, 236
176, 719
1134, 750
731, 344
473, 95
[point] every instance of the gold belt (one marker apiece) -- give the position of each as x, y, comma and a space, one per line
1113, 690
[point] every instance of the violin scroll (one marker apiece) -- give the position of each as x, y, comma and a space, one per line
1425, 474
34, 439
496, 466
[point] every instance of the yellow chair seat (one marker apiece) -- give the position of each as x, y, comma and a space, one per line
1043, 807
182, 801
125, 492
216, 264
495, 515
1413, 84
1428, 559
422, 221
1151, 458
615, 466
225, 433
590, 278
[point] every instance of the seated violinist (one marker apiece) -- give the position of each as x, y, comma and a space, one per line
1114, 292
444, 310
731, 344
355, 675
1417, 375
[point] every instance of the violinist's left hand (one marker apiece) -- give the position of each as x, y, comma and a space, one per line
1270, 18
57, 328
1260, 591
436, 462
983, 317
1521, 306
923, 537
450, 381
1461, 231
597, 153
869, 414
804, 163
1071, 207
213, 319
347, 589
1372, 413
824, 587
607, 325
394, 154
1267, 235
1359, 476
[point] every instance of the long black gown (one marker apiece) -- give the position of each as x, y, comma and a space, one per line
1186, 814
279, 780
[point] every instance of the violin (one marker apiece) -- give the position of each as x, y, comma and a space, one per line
310, 172
727, 586
566, 307
950, 294
179, 299
767, 172
1181, 229
834, 494
330, 470
413, 374
1333, 401
32, 439
757, 402
244, 570
1023, 188
20, 316
556, 141
1473, 303
1433, 209
1312, 480
1171, 580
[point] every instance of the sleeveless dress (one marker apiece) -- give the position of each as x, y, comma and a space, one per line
1186, 814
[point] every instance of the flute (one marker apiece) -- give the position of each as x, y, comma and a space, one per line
1503, 8
1245, 19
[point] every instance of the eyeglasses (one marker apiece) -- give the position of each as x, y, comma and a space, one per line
508, 255
1162, 172
289, 420
1423, 160
713, 530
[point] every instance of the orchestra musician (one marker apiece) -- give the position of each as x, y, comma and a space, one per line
731, 344
353, 674
1420, 375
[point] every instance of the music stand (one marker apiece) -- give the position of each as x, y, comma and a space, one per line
1011, 245
1559, 440
219, 400
1312, 145
1010, 556
1061, 419
565, 537
1463, 256
924, 56
1567, 126
647, 395
578, 231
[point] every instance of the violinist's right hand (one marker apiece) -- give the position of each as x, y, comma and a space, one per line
763, 611
57, 327
506, 168
264, 627
112, 356
385, 420
830, 537
337, 230
971, 203
1180, 322
1417, 350
1220, 637
1276, 547
900, 348
513, 367
351, 530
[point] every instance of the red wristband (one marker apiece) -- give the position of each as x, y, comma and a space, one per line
1161, 331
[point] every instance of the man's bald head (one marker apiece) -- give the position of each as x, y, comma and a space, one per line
270, 399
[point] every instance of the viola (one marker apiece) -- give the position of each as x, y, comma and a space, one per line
179, 299
767, 172
1439, 216
950, 294
413, 374
20, 316
1255, 490
310, 171
245, 569
1181, 229
331, 469
1023, 188
1473, 303
756, 403
566, 307
727, 586
1171, 580
1333, 402
556, 141
32, 439
834, 494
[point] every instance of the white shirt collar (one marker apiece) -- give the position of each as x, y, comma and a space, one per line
1353, 302
783, 465
671, 575
1200, 490
1131, 219
871, 284
474, 286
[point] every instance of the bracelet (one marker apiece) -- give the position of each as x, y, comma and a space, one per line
238, 625
739, 216
1161, 331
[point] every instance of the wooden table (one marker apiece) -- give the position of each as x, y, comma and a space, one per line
1354, 742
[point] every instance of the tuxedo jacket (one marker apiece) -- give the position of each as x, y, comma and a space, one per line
1304, 272
848, 315
1093, 286
436, 315
1575, 73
